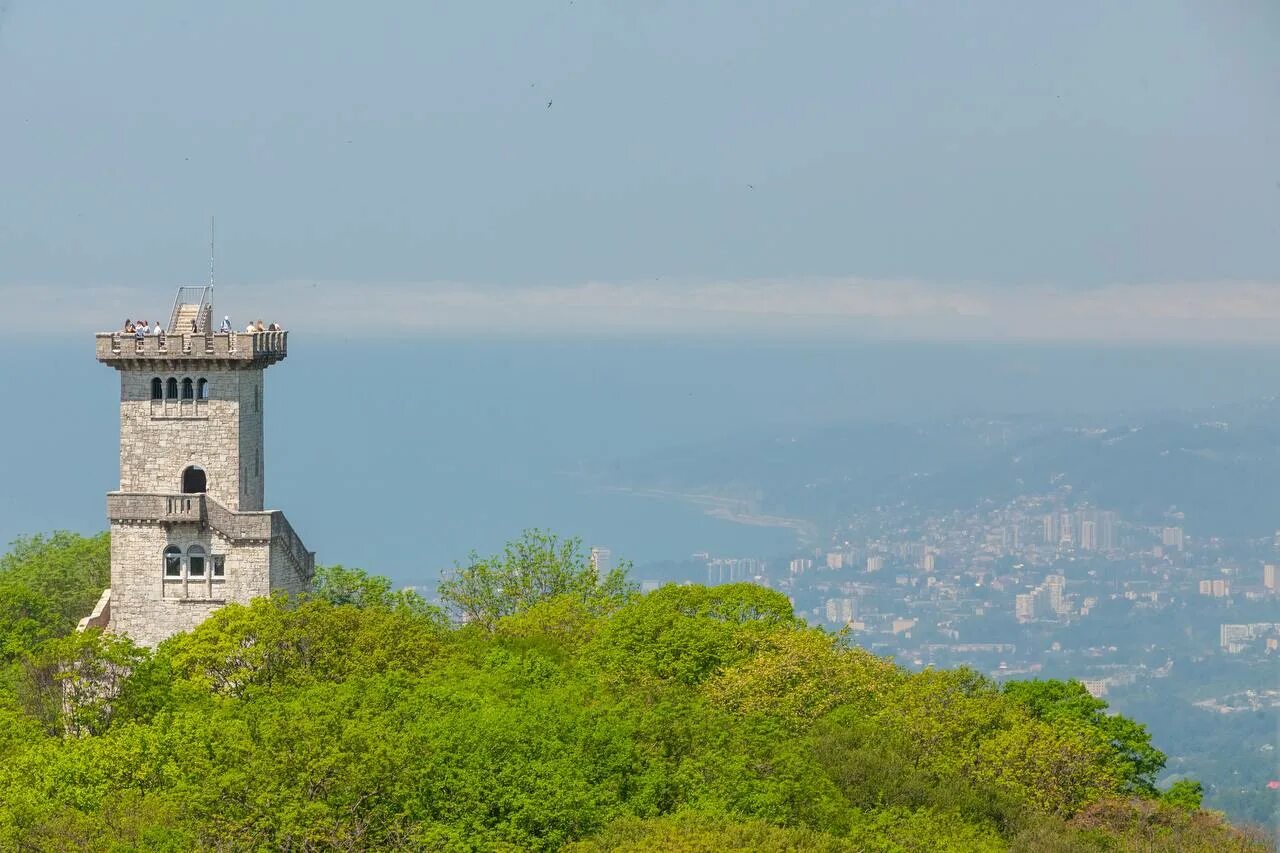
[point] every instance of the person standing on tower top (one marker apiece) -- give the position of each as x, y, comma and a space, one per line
226, 325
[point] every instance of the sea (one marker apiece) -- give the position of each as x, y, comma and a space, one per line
405, 456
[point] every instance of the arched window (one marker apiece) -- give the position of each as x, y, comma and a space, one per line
173, 562
194, 481
157, 389
188, 390
202, 389
195, 562
171, 390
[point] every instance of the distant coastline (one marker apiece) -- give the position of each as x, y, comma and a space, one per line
736, 510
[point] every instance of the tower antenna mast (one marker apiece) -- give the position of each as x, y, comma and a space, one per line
210, 259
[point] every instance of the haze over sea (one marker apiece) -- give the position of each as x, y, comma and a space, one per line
403, 456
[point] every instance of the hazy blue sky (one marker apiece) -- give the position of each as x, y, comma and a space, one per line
1055, 170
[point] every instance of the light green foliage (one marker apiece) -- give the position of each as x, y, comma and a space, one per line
47, 584
70, 684
569, 713
358, 588
1067, 703
692, 832
535, 567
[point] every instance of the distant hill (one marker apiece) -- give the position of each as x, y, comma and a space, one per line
1218, 466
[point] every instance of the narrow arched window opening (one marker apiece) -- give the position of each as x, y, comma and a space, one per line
195, 562
157, 389
171, 390
173, 562
188, 392
202, 389
194, 481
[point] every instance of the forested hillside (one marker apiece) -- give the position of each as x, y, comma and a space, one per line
549, 710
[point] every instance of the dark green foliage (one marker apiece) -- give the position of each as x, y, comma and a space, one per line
568, 714
1185, 794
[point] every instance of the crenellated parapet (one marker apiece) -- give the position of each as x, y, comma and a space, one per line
224, 349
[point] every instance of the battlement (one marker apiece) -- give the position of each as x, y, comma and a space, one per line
230, 349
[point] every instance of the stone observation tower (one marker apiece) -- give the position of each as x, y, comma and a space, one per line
188, 531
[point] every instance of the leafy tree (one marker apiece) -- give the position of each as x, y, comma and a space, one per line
570, 714
1068, 702
1184, 793
800, 675
47, 584
690, 831
356, 587
278, 640
535, 567
688, 633
70, 684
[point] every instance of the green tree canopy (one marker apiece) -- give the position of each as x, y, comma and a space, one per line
537, 566
570, 713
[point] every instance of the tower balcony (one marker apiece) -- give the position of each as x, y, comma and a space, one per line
202, 510
238, 349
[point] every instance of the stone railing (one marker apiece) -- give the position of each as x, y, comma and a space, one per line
130, 506
265, 525
238, 526
101, 615
304, 561
262, 347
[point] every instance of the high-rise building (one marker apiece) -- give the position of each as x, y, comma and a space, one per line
1056, 587
840, 611
1024, 606
1221, 589
1066, 530
800, 565
1233, 638
1107, 530
1171, 537
1051, 529
835, 560
601, 561
1206, 587
1089, 535
929, 561
875, 563
1269, 576
733, 569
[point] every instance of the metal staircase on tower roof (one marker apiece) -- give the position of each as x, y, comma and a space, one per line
193, 303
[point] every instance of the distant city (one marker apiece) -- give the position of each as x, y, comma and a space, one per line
1179, 629
938, 590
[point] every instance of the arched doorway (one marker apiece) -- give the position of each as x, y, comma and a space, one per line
193, 481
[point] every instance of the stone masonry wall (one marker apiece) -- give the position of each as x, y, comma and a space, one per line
158, 440
154, 450
252, 465
148, 607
